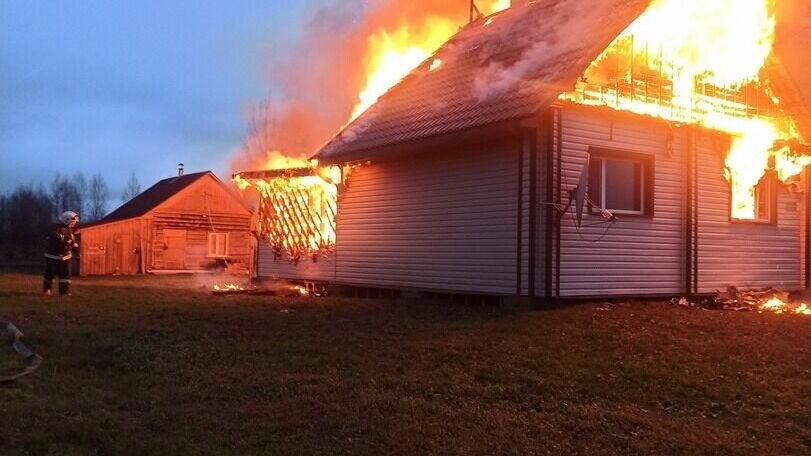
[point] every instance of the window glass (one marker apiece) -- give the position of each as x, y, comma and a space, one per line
596, 180
218, 244
623, 185
620, 182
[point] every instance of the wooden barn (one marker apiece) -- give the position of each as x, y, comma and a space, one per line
460, 178
187, 223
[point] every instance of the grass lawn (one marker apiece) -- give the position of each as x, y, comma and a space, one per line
158, 366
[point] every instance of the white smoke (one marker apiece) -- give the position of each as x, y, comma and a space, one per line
572, 20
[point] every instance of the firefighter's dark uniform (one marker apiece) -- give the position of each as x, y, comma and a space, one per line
59, 251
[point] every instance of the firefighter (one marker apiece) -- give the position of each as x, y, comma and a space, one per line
59, 250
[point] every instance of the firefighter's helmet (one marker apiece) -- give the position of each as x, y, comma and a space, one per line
69, 216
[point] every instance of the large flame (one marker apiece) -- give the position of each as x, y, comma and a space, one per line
392, 54
297, 210
700, 62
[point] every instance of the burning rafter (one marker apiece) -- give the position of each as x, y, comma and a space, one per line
700, 63
297, 208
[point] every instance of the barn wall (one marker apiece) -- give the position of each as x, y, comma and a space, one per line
113, 248
194, 230
746, 255
322, 269
205, 196
188, 217
448, 221
638, 255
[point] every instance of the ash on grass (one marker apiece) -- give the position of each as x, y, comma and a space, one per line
148, 365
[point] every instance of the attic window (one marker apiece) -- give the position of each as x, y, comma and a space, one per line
621, 182
217, 245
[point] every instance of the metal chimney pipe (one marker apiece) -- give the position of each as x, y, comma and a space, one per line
179, 169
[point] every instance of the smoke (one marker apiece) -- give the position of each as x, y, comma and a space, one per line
499, 78
319, 85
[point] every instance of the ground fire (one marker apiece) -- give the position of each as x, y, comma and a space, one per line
701, 63
767, 300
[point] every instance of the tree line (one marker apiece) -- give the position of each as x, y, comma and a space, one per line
28, 212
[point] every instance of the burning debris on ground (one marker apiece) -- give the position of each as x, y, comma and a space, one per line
279, 288
759, 300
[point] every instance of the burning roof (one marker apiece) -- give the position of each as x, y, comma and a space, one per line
513, 64
501, 68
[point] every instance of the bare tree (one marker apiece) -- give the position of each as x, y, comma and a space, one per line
80, 183
28, 216
97, 192
65, 195
3, 219
132, 189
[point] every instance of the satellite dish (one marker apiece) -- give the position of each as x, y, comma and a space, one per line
579, 192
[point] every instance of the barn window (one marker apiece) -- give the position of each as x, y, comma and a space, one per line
218, 244
621, 182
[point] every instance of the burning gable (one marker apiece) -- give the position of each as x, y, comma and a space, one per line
297, 209
703, 63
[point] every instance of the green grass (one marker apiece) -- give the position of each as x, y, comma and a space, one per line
157, 365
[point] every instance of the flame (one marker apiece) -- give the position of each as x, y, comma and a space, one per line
228, 287
778, 306
496, 6
392, 55
278, 160
775, 305
699, 62
301, 290
297, 213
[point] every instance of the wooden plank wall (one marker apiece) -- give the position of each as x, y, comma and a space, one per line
114, 248
197, 227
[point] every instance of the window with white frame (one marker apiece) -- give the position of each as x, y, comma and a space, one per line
218, 245
621, 182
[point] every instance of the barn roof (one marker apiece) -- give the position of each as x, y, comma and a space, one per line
520, 63
492, 72
149, 199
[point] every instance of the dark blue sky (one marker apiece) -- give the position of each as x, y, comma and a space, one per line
121, 86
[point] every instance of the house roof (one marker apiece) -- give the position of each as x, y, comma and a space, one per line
492, 71
520, 63
150, 198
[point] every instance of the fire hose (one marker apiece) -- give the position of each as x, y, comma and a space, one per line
13, 335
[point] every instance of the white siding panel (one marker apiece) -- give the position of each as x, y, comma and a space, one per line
435, 222
637, 255
745, 255
322, 269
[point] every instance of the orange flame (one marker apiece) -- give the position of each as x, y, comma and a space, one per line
392, 55
297, 213
778, 306
696, 62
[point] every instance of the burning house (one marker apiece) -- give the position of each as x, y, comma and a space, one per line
188, 223
565, 149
